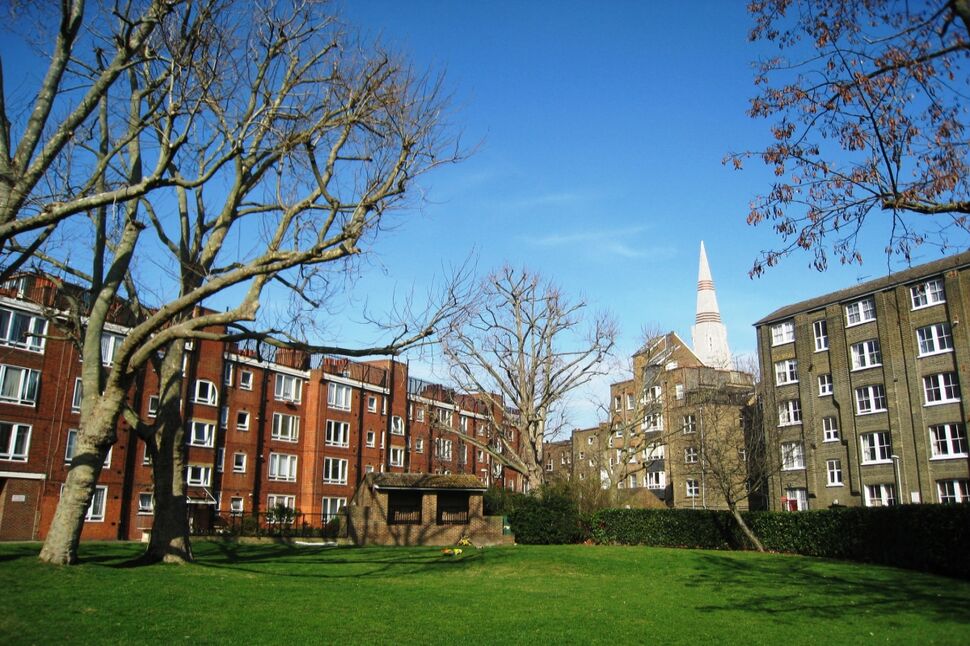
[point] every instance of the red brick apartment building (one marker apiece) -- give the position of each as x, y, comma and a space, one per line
264, 427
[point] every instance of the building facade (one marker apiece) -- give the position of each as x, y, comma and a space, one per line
264, 427
863, 391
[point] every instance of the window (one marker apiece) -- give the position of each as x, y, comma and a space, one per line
443, 416
14, 441
866, 354
96, 507
693, 489
442, 448
246, 379
830, 429
198, 475
397, 425
332, 507
109, 346
796, 499
951, 491
242, 420
824, 385
275, 500
224, 417
860, 311
338, 433
286, 427
617, 403
786, 372
22, 330
948, 441
18, 385
870, 399
371, 439
933, 339
655, 480
235, 506
420, 413
153, 405
792, 456
678, 391
941, 388
239, 463
227, 373
372, 403
629, 401
654, 394
78, 395
220, 459
783, 332
334, 471
880, 495
338, 396
282, 467
397, 457
202, 434
653, 422
288, 388
690, 424
928, 293
205, 392
690, 455
833, 470
419, 445
146, 504
821, 330
653, 452
789, 412
70, 448
876, 448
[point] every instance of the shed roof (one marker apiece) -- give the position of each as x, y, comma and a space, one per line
463, 482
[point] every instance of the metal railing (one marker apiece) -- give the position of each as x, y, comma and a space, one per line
293, 524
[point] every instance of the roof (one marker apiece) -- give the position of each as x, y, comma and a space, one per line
462, 482
869, 287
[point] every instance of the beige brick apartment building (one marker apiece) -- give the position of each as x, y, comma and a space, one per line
863, 391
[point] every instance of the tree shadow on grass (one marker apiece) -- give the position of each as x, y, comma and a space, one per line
340, 562
789, 589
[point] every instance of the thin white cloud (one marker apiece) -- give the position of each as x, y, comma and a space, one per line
545, 199
612, 243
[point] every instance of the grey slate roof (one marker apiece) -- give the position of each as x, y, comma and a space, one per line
907, 275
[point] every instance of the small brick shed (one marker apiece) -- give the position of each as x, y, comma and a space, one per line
421, 509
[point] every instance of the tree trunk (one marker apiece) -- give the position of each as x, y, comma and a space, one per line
739, 519
93, 441
170, 541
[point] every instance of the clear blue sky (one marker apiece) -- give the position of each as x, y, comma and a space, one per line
603, 126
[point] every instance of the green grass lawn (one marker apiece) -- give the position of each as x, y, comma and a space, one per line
521, 594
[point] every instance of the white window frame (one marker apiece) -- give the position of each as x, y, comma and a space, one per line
689, 425
799, 495
860, 311
274, 500
246, 379
934, 339
953, 491
334, 471
282, 467
332, 506
875, 447
28, 383
292, 431
786, 372
825, 385
109, 346
153, 403
370, 439
948, 441
239, 460
70, 448
339, 396
397, 425
867, 398
443, 448
419, 445
866, 354
16, 446
693, 488
830, 429
821, 330
782, 333
885, 494
792, 456
205, 392
630, 401
397, 456
927, 294
146, 503
289, 388
242, 420
198, 475
78, 395
33, 334
96, 508
691, 455
833, 473
655, 480
201, 433
941, 388
678, 391
790, 412
236, 506
338, 433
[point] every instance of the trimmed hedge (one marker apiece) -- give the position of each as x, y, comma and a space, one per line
932, 538
551, 518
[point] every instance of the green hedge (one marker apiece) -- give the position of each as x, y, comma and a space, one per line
550, 518
932, 538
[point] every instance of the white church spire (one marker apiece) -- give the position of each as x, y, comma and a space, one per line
709, 334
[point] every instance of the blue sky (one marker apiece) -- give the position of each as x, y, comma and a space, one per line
602, 129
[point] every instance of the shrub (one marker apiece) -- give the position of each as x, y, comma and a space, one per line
550, 517
499, 501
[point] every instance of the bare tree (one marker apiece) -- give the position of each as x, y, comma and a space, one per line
523, 347
869, 102
282, 144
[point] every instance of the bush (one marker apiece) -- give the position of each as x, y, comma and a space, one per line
499, 501
920, 537
549, 518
